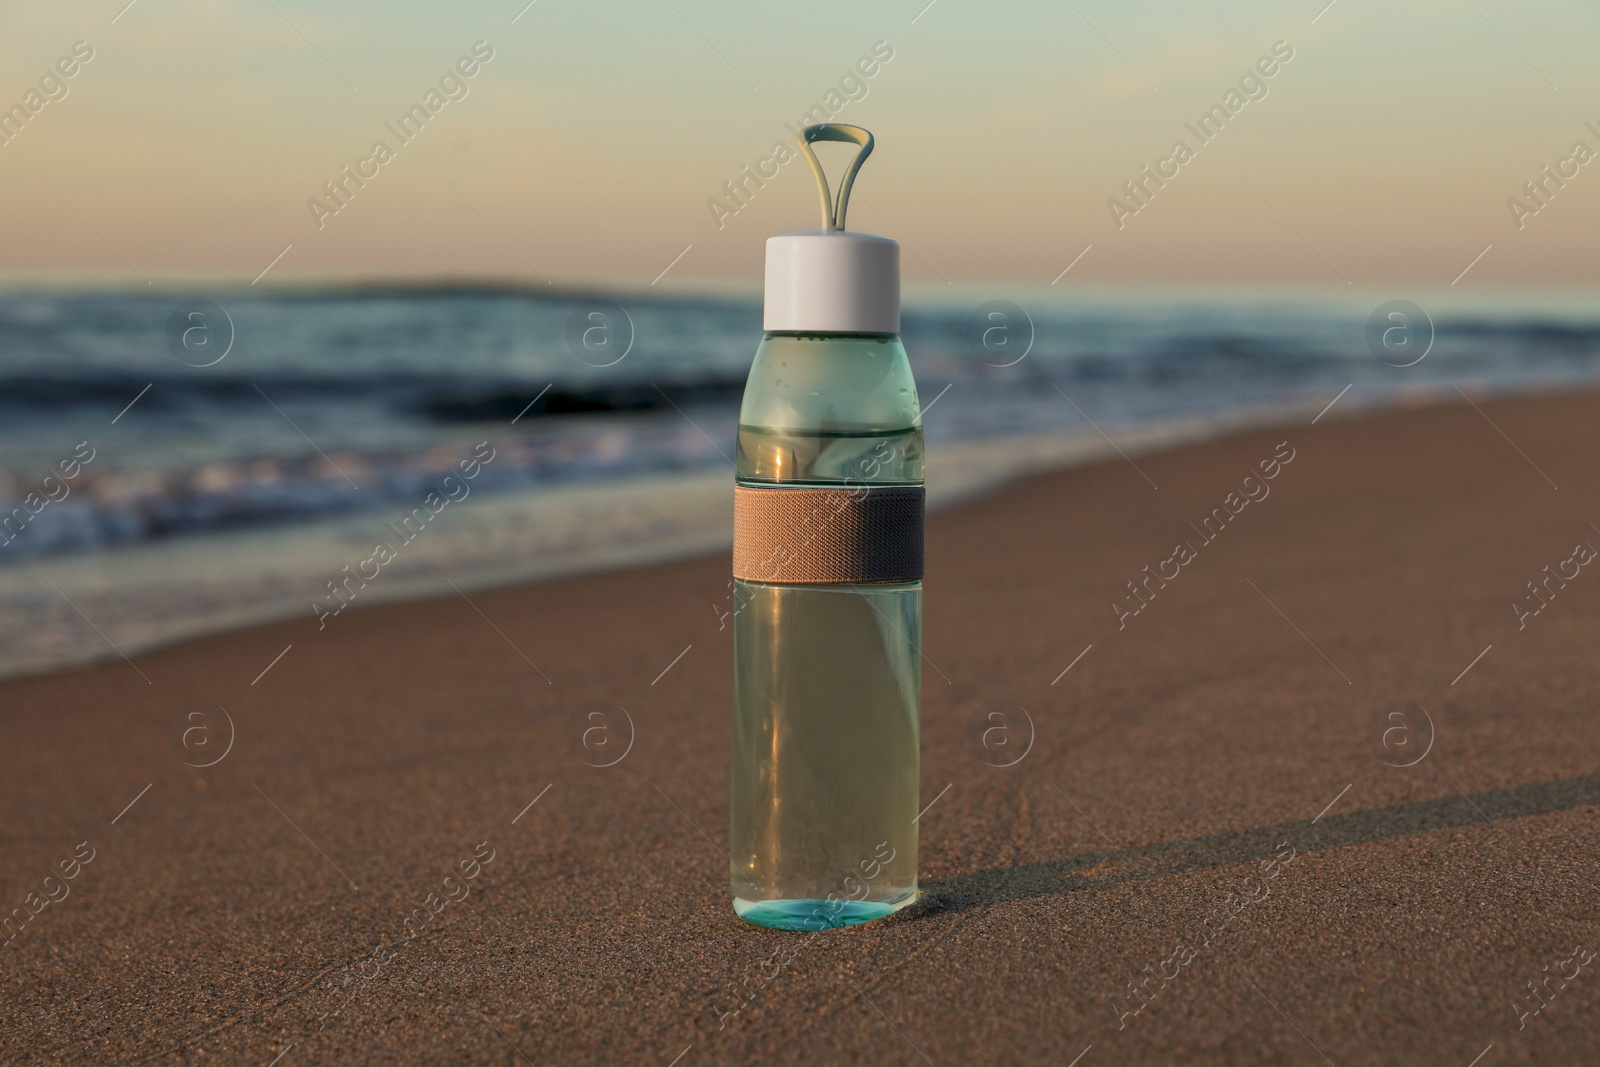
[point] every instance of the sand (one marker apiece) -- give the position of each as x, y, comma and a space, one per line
1208, 805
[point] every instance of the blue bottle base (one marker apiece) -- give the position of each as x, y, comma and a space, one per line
817, 914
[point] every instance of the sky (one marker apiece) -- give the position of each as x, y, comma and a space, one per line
591, 148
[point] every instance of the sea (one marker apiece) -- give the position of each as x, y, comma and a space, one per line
248, 450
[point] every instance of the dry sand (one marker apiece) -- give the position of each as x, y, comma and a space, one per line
1239, 716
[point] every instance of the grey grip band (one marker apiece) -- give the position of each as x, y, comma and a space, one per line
811, 535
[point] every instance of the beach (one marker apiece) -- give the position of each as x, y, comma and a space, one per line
1322, 788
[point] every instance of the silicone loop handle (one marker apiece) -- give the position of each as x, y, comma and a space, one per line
832, 214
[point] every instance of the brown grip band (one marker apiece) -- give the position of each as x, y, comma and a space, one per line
813, 535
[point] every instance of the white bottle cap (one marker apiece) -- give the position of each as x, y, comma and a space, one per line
834, 281
831, 280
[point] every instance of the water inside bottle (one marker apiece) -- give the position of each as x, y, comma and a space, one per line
825, 752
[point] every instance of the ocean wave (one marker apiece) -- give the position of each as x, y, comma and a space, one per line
342, 401
442, 397
495, 401
109, 507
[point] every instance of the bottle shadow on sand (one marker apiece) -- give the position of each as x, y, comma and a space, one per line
1144, 863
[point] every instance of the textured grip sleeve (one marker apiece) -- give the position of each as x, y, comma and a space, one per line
812, 535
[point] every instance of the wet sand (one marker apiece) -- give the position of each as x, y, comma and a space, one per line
1292, 801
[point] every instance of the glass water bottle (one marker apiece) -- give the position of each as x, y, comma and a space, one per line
828, 591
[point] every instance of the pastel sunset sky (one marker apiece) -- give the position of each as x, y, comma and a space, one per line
589, 148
